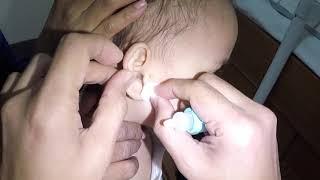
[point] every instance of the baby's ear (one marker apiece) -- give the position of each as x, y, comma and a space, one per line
136, 57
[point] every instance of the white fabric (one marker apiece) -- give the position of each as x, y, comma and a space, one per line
263, 14
157, 156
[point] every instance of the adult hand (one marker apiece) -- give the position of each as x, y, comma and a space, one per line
129, 139
43, 136
107, 17
130, 135
241, 139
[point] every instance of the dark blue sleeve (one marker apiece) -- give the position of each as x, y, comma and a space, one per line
9, 62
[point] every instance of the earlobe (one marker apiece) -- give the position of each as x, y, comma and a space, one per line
136, 57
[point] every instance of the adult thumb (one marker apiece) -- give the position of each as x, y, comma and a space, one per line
180, 145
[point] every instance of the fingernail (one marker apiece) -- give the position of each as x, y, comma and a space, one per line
140, 4
156, 89
118, 55
143, 135
153, 101
167, 123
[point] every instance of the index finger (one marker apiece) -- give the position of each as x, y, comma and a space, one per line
230, 92
69, 67
118, 21
110, 112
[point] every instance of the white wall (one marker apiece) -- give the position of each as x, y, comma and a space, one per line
23, 19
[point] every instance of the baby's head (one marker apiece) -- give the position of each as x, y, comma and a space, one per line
176, 39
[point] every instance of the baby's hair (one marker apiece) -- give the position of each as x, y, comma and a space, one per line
163, 19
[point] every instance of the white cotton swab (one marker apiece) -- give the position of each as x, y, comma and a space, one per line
148, 91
